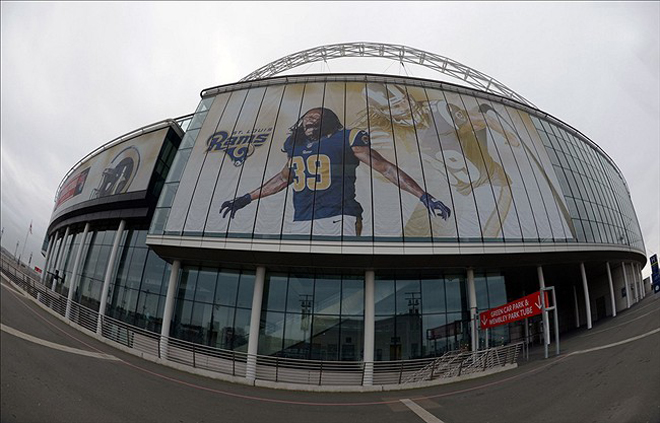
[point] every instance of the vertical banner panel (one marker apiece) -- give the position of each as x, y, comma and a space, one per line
302, 146
528, 165
511, 151
425, 114
494, 146
254, 165
235, 145
405, 111
334, 163
548, 183
456, 167
474, 138
208, 176
386, 195
356, 116
270, 207
193, 168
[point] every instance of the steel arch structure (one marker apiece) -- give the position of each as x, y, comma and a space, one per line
400, 53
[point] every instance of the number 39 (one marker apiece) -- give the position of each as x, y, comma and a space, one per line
319, 169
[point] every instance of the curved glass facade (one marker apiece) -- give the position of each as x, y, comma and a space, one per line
388, 160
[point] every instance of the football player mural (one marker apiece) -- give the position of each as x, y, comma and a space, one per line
322, 158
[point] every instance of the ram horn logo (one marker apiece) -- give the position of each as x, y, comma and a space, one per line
117, 178
239, 146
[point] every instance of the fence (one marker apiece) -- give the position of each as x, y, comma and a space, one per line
274, 369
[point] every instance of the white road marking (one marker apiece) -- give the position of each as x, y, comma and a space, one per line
625, 341
55, 346
421, 412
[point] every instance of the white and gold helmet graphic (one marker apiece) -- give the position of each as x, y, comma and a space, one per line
391, 101
117, 178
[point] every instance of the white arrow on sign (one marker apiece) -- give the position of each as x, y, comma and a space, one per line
484, 319
538, 304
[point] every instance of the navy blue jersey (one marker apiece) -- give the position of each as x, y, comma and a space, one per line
324, 174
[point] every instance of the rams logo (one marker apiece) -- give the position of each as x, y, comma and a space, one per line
239, 145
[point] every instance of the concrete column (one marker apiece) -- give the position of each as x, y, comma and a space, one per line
74, 273
625, 282
546, 320
609, 279
168, 309
638, 273
60, 258
255, 320
48, 254
472, 298
577, 309
634, 281
109, 270
369, 326
587, 302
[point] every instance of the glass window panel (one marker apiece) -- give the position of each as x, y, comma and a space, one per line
297, 332
135, 270
181, 325
454, 292
275, 292
481, 288
271, 333
325, 338
352, 292
227, 286
206, 281
327, 294
222, 332
200, 322
387, 345
436, 332
351, 339
153, 274
147, 309
246, 289
408, 297
384, 297
433, 295
300, 295
241, 330
496, 290
187, 283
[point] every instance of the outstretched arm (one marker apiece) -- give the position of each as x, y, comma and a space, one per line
404, 181
388, 170
274, 185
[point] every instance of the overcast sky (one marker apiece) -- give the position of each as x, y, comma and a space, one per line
76, 75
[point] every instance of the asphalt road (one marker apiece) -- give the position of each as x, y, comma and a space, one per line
40, 382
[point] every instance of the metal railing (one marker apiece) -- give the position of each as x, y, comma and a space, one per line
274, 369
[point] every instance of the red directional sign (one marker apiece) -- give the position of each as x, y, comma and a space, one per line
516, 310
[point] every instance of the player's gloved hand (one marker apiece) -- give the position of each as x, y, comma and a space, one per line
434, 206
234, 205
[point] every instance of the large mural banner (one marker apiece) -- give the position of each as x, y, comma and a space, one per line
368, 161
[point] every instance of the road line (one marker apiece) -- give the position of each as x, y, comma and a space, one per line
421, 412
55, 346
625, 341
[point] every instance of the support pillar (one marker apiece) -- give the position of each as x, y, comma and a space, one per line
587, 302
546, 320
625, 282
609, 279
109, 270
369, 326
255, 319
640, 280
74, 272
577, 309
49, 251
58, 259
472, 298
168, 309
634, 281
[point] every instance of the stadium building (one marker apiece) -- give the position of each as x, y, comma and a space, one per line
346, 217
